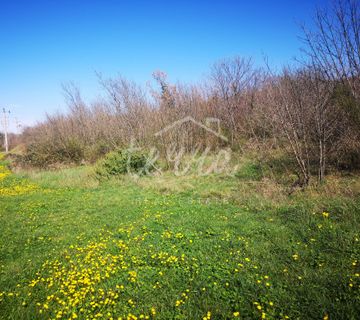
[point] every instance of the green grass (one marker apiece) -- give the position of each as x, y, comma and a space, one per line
177, 247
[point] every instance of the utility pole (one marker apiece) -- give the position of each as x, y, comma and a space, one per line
5, 124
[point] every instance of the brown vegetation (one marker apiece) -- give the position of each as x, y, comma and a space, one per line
312, 111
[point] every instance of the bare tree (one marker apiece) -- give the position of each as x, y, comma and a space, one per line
299, 105
128, 104
333, 48
232, 81
334, 45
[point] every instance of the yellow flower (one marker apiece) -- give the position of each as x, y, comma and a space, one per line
236, 314
325, 214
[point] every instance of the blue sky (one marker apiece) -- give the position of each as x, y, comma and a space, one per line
46, 43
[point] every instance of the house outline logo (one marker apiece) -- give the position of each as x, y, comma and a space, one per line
198, 123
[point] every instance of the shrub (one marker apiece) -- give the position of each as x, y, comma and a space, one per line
120, 162
44, 155
97, 150
73, 151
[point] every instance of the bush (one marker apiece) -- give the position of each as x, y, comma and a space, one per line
97, 150
121, 162
37, 155
73, 151
44, 155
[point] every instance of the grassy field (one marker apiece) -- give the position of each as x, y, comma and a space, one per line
167, 247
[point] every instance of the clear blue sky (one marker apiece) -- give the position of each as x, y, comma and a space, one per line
46, 43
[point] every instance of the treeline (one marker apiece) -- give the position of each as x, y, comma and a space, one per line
311, 110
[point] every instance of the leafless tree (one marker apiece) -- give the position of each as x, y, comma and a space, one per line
232, 81
334, 45
300, 107
333, 48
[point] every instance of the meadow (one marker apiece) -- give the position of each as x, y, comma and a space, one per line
166, 247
